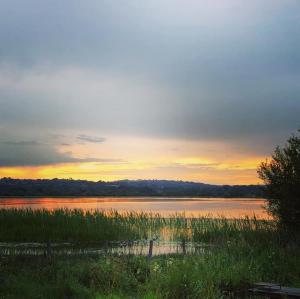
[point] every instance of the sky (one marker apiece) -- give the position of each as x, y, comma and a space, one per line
157, 89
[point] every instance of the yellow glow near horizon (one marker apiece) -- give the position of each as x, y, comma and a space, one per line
137, 158
138, 170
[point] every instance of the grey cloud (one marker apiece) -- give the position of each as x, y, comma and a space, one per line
21, 143
93, 139
214, 70
34, 153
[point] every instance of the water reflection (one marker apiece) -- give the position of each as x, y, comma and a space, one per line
140, 247
215, 207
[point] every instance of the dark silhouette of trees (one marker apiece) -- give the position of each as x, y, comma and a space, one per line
282, 179
62, 187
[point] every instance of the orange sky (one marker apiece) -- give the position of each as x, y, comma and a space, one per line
145, 158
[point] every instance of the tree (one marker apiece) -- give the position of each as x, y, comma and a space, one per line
281, 176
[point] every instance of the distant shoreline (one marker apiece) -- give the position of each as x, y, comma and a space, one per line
153, 198
126, 188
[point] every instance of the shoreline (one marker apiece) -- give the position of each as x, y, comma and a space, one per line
154, 198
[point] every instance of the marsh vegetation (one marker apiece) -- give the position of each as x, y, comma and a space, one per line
240, 252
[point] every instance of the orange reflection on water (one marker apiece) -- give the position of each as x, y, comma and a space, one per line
214, 207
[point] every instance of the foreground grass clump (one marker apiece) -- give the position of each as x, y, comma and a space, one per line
223, 273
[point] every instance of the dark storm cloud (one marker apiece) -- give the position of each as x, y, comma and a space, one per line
204, 70
31, 153
36, 153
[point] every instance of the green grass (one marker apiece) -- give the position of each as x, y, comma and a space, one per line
242, 252
63, 225
223, 274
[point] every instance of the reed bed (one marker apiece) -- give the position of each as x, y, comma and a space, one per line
64, 225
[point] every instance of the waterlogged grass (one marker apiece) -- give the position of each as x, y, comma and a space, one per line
241, 252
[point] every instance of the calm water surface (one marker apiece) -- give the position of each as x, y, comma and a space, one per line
225, 207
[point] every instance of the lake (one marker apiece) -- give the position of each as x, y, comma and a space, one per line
216, 207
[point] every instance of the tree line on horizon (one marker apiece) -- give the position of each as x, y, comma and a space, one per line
70, 187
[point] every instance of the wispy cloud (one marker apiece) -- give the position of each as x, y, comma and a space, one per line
93, 139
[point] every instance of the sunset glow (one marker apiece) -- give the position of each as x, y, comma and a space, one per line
149, 159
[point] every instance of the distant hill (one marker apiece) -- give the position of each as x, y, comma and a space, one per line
69, 187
